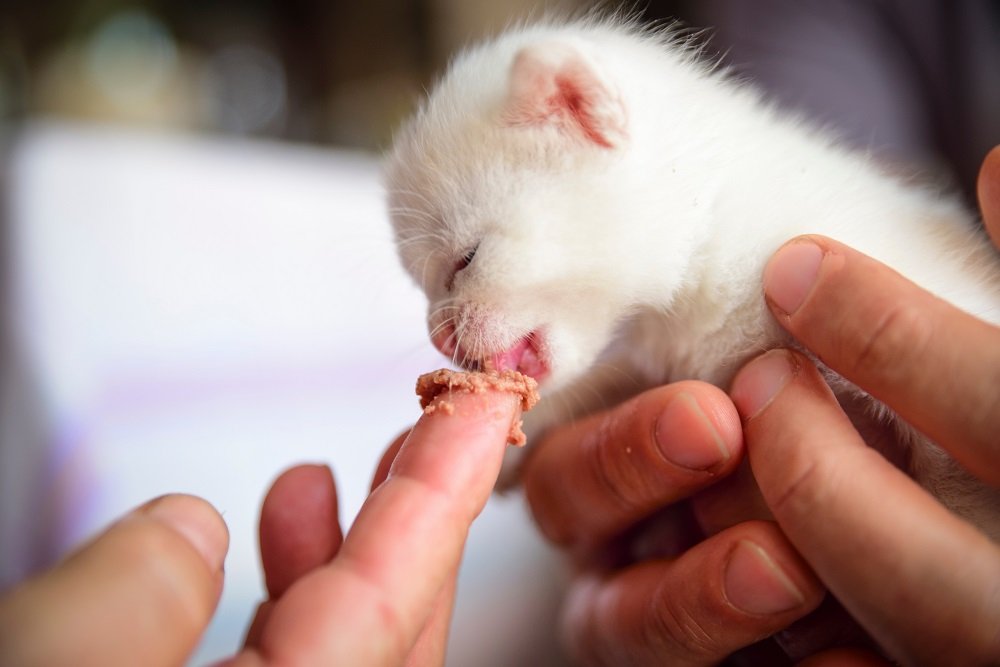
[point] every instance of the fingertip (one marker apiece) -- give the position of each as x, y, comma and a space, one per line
477, 412
791, 273
197, 521
459, 450
759, 382
302, 493
473, 404
299, 527
320, 470
759, 582
698, 428
721, 410
316, 476
763, 576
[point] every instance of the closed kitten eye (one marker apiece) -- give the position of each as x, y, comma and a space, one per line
467, 258
460, 265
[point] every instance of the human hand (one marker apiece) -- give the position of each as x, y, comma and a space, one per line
666, 595
143, 592
924, 583
593, 482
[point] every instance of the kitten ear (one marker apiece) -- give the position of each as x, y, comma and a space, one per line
554, 84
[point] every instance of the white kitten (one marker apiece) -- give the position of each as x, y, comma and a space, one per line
591, 204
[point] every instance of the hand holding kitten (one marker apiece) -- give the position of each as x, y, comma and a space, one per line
921, 581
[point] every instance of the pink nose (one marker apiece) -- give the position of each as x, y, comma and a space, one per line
444, 339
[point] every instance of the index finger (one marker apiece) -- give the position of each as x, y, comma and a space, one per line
933, 364
369, 604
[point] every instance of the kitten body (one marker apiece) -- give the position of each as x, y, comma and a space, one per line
592, 204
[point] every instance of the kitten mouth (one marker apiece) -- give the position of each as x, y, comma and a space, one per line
525, 357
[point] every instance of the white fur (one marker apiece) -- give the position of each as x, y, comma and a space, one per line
641, 260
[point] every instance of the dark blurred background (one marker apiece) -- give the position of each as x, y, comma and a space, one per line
339, 73
918, 78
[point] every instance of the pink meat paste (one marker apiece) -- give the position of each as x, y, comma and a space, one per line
431, 386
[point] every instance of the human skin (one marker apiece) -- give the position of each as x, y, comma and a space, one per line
144, 590
920, 581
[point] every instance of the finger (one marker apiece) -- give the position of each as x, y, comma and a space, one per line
731, 501
844, 657
989, 194
921, 580
725, 593
257, 625
830, 626
321, 548
937, 367
140, 593
369, 605
430, 646
429, 649
385, 463
299, 529
599, 475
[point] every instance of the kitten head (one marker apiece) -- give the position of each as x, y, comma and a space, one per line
505, 202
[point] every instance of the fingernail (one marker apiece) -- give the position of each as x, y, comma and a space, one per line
760, 381
790, 274
687, 437
197, 522
754, 583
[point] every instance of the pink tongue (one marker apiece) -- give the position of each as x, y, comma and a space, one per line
511, 359
522, 357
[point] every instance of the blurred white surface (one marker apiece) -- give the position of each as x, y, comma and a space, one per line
196, 315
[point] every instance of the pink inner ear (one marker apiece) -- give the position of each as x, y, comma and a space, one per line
554, 84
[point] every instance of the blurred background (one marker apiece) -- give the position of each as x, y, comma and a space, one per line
338, 73
199, 287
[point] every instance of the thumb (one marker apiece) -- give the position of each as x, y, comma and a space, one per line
140, 593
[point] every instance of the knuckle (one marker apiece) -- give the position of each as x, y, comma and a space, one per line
902, 332
801, 493
673, 630
625, 460
601, 452
391, 625
608, 472
816, 478
395, 629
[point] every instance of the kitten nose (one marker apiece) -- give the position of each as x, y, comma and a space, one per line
444, 338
